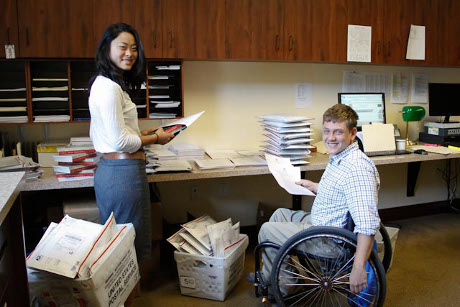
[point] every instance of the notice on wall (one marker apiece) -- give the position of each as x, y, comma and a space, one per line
419, 88
416, 43
366, 82
359, 43
303, 95
400, 87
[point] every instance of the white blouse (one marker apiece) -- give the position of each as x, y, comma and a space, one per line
114, 125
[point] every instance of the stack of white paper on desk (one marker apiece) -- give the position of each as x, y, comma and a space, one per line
287, 136
204, 236
187, 151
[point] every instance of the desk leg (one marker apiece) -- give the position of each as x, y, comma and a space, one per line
297, 199
413, 169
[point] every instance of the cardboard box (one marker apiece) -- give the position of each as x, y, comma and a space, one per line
393, 234
110, 284
211, 277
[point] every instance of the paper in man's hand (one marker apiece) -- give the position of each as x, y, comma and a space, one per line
286, 175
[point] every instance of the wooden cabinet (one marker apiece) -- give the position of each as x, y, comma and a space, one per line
8, 26
448, 47
55, 28
107, 12
254, 30
148, 23
399, 16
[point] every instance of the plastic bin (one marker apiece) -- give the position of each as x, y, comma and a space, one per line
211, 277
393, 234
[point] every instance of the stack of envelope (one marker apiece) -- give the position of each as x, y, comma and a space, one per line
287, 136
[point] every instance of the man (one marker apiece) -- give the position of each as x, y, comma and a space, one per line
350, 183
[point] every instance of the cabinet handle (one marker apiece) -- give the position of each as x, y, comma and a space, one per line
170, 39
8, 36
277, 42
154, 39
291, 43
27, 37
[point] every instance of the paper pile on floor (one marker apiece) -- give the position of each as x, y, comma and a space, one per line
288, 136
204, 236
95, 263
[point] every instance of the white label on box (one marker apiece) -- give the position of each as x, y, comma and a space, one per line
433, 130
9, 52
188, 282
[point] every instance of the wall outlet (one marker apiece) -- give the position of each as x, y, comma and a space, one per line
223, 189
193, 192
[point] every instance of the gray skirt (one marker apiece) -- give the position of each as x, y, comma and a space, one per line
121, 187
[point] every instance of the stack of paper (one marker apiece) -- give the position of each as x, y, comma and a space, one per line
204, 236
21, 164
287, 136
81, 141
187, 151
75, 163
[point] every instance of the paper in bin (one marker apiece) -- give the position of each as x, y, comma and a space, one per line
197, 228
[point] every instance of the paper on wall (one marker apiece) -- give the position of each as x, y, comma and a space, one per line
359, 43
400, 87
416, 43
419, 92
303, 95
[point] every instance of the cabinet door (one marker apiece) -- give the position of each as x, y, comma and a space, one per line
107, 12
448, 47
254, 29
55, 28
399, 16
148, 23
193, 29
8, 26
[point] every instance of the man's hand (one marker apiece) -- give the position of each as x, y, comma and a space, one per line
310, 185
358, 279
358, 275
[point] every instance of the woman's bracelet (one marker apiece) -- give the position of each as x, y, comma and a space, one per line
158, 137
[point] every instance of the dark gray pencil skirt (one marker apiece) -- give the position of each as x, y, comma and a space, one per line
121, 186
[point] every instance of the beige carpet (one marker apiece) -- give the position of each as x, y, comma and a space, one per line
425, 271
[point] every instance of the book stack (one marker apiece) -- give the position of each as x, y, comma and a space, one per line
287, 136
75, 163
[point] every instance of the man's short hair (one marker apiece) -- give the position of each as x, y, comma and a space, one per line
341, 113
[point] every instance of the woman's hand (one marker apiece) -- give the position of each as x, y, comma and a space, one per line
155, 136
310, 185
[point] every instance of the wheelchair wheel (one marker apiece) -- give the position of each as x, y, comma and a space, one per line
312, 269
387, 248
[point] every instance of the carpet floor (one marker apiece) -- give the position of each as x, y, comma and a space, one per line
425, 270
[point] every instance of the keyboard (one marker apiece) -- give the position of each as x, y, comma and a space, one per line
388, 153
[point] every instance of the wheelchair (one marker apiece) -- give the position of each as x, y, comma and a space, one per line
313, 266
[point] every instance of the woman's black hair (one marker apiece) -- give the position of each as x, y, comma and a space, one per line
129, 80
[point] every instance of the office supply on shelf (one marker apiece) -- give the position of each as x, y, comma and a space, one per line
370, 107
420, 152
177, 165
434, 149
249, 161
222, 153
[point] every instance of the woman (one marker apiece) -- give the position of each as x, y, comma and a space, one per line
120, 181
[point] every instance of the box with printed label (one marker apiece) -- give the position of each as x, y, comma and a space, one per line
109, 285
211, 277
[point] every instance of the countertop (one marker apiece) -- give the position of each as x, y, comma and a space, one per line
317, 162
10, 187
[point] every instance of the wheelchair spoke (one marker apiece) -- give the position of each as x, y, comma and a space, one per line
316, 278
346, 296
299, 275
344, 267
304, 295
356, 295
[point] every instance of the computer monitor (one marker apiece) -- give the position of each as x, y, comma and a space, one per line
444, 100
370, 107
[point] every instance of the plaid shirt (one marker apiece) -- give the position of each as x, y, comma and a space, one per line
349, 183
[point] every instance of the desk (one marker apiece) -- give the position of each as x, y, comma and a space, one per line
317, 162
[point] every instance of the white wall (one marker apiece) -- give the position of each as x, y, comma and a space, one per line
233, 95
